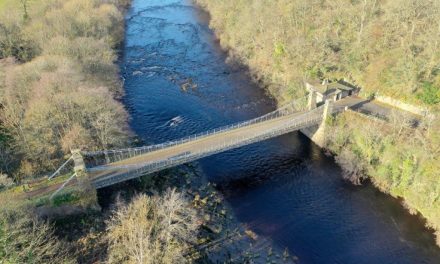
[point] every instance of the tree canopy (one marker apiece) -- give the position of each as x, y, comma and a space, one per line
386, 46
59, 82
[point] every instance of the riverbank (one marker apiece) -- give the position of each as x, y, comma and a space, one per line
59, 90
60, 86
83, 230
285, 189
395, 157
220, 236
283, 52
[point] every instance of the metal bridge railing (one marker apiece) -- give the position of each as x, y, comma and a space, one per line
109, 156
127, 172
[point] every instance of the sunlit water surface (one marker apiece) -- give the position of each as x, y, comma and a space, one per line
284, 189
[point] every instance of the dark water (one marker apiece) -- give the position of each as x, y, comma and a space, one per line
285, 189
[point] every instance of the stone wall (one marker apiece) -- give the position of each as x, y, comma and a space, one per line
404, 106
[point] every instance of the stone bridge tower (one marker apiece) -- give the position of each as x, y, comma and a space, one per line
79, 164
90, 198
317, 133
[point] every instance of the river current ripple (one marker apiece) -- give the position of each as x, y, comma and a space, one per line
285, 189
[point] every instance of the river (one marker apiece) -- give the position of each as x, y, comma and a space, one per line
286, 189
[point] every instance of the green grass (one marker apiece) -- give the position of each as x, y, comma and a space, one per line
42, 183
66, 198
430, 94
16, 195
14, 198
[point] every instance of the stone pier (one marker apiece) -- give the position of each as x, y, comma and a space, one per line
317, 133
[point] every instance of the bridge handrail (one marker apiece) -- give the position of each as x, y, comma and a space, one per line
215, 130
312, 116
136, 170
145, 149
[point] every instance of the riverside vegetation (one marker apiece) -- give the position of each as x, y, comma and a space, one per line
59, 87
59, 90
387, 47
59, 83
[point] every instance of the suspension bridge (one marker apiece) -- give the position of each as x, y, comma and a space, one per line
108, 167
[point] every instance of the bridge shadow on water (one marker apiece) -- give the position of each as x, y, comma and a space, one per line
290, 190
297, 197
285, 189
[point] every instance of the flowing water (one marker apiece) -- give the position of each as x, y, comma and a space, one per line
177, 83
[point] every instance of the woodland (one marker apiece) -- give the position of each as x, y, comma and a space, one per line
386, 47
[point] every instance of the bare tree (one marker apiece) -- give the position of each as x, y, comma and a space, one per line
156, 229
5, 181
352, 166
25, 239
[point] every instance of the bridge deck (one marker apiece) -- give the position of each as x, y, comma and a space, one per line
114, 169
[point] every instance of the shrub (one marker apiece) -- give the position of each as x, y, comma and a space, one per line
5, 181
352, 166
430, 94
25, 239
155, 229
14, 44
